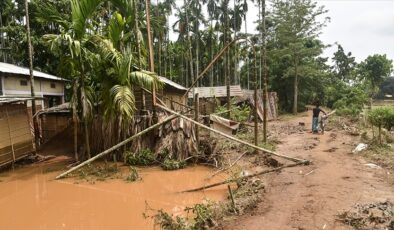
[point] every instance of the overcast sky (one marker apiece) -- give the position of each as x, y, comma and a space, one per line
363, 27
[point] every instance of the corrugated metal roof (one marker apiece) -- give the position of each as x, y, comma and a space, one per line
9, 100
217, 91
171, 83
13, 69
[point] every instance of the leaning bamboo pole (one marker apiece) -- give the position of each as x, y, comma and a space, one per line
116, 146
246, 177
233, 138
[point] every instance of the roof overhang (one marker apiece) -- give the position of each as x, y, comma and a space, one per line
6, 68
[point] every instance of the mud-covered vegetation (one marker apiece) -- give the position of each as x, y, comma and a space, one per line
209, 214
370, 216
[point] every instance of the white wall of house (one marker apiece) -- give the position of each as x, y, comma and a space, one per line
20, 86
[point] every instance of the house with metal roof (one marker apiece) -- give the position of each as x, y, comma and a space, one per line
14, 82
172, 94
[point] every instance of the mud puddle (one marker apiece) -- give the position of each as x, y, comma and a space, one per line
31, 199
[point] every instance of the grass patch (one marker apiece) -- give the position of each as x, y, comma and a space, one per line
383, 155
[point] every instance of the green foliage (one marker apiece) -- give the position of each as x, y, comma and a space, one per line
171, 164
351, 101
382, 117
168, 222
144, 158
168, 163
238, 113
374, 70
133, 175
203, 218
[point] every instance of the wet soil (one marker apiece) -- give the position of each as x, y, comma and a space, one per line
31, 199
310, 197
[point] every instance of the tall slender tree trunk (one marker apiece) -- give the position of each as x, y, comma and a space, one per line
211, 53
75, 120
265, 92
227, 61
295, 98
32, 87
137, 29
190, 47
85, 111
151, 56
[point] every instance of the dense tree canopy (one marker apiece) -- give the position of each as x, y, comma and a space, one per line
99, 40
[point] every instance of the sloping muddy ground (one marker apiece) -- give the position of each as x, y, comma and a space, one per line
311, 197
30, 198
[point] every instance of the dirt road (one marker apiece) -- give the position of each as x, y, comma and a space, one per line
310, 197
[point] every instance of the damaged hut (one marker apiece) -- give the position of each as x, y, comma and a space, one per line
176, 137
16, 136
212, 97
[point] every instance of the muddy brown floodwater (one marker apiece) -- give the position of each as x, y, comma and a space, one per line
31, 199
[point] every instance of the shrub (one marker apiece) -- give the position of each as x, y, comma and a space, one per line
382, 117
171, 164
237, 113
133, 176
351, 103
144, 157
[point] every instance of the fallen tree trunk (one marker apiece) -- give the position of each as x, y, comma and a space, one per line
116, 146
246, 177
233, 138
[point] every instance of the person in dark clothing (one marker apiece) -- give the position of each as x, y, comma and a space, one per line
315, 119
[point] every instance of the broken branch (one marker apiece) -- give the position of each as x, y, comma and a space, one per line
246, 177
233, 138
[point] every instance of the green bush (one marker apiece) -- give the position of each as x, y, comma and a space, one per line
133, 176
237, 113
351, 103
144, 157
171, 164
382, 118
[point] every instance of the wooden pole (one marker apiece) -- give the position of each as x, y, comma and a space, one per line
265, 83
196, 117
30, 52
116, 146
9, 129
246, 177
211, 64
232, 197
233, 138
151, 56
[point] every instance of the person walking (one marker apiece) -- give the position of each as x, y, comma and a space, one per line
315, 119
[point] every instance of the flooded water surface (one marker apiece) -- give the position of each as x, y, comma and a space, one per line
31, 199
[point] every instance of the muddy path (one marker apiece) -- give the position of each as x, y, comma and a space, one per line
310, 197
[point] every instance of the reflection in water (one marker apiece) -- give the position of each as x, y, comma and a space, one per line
31, 199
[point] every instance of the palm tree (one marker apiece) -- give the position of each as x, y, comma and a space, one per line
111, 59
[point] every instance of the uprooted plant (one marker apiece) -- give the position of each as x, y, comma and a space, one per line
133, 175
203, 218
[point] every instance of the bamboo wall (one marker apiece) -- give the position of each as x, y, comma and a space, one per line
172, 98
53, 124
16, 139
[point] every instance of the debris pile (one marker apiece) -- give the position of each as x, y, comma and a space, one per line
370, 216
